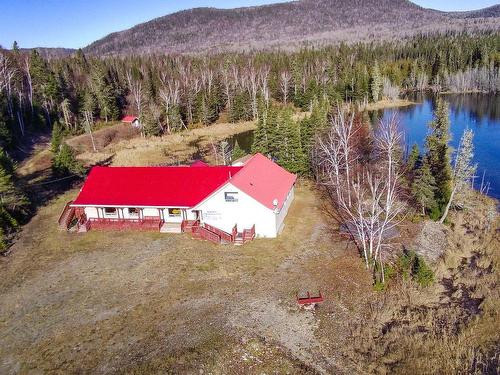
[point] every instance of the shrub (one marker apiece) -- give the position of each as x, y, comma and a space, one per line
413, 266
65, 162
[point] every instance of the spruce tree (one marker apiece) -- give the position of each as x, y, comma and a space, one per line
438, 152
289, 152
57, 136
423, 188
65, 162
413, 159
240, 108
376, 83
13, 203
237, 152
264, 135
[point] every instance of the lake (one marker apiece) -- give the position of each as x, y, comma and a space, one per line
479, 112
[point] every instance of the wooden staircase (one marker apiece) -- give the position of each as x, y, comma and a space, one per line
210, 233
66, 216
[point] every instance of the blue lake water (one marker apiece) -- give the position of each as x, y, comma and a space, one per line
481, 113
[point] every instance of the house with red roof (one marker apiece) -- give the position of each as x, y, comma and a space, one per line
217, 203
133, 120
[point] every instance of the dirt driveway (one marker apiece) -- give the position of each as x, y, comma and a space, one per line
148, 302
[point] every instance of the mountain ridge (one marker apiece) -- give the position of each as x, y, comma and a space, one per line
288, 25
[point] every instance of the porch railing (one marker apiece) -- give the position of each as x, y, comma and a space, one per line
223, 235
189, 225
119, 224
249, 234
66, 215
205, 234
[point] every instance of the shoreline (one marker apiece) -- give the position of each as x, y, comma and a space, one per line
384, 104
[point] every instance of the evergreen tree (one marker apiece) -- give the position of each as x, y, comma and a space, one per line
237, 152
13, 203
438, 152
413, 159
310, 125
423, 187
45, 87
240, 108
264, 135
376, 83
150, 122
288, 147
57, 136
65, 163
104, 93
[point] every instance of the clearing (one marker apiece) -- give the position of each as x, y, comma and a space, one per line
106, 302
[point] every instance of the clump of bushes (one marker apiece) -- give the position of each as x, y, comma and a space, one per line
411, 265
65, 162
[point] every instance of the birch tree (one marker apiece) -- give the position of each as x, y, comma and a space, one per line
367, 201
285, 80
135, 87
464, 170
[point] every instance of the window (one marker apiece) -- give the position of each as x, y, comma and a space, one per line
231, 196
110, 212
133, 212
174, 212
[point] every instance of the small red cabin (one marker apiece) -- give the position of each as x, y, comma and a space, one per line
132, 120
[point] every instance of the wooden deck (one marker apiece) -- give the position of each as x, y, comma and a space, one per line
197, 229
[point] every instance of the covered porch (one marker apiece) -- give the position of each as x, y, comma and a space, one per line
164, 220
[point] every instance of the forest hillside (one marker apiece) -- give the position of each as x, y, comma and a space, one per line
288, 25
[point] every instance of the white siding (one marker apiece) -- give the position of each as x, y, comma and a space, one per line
280, 217
91, 212
172, 219
190, 215
245, 213
148, 212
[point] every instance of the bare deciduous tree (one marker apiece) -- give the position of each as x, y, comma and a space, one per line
463, 171
366, 201
135, 87
285, 80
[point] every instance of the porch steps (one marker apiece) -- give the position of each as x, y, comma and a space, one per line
66, 216
171, 228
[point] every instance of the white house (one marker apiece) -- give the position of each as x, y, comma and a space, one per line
133, 120
219, 203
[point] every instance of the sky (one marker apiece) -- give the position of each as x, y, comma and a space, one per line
77, 23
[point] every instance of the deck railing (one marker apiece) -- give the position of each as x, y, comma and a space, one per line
223, 235
154, 223
66, 215
189, 225
249, 234
205, 234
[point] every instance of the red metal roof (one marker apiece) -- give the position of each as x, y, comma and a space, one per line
199, 163
264, 181
129, 119
151, 186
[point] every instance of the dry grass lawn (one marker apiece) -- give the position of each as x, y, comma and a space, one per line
147, 303
122, 146
106, 302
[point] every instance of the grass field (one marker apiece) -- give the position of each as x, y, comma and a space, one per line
100, 302
122, 146
147, 303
